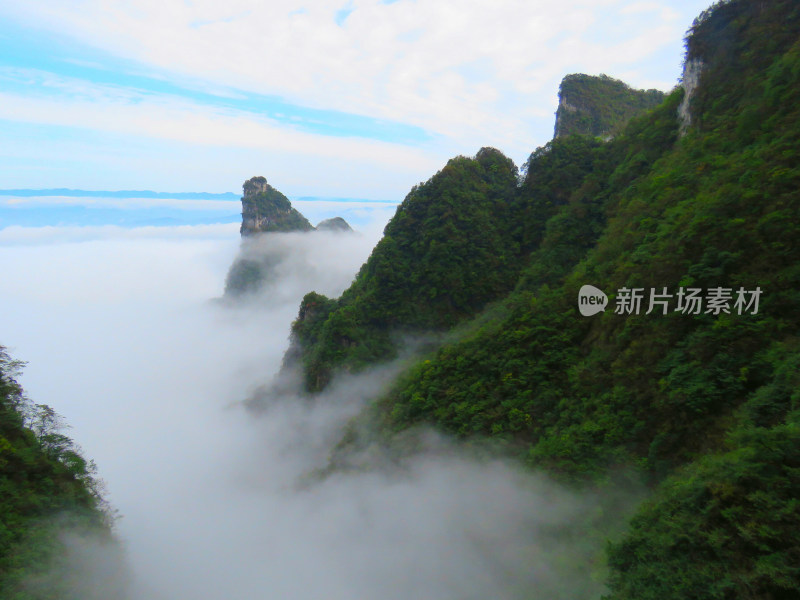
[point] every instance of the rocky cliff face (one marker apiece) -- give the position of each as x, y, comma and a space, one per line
599, 106
692, 70
265, 209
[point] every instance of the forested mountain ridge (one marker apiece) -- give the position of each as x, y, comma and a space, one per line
702, 404
46, 490
443, 256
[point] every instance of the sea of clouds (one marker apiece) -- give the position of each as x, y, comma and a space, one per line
124, 339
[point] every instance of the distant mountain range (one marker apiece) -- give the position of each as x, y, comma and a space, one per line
120, 194
25, 193
55, 207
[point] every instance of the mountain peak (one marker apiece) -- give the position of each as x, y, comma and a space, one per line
255, 186
334, 224
265, 209
599, 105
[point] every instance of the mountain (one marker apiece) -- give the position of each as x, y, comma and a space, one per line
443, 256
48, 495
599, 106
693, 208
265, 210
333, 224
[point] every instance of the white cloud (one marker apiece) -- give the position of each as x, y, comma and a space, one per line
402, 61
174, 119
15, 235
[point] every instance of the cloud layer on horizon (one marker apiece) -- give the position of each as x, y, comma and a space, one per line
30, 218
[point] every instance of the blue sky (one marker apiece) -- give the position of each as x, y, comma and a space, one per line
347, 99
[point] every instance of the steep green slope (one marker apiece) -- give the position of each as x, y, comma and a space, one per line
46, 489
709, 398
702, 405
443, 256
725, 527
599, 106
508, 376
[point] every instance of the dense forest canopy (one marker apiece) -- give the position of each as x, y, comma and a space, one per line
702, 405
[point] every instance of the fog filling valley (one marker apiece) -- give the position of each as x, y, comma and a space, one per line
124, 340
